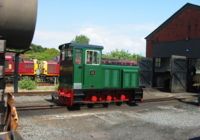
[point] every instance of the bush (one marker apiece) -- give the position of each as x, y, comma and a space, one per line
27, 83
56, 87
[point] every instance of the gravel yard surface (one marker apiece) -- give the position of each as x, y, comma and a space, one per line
32, 100
39, 88
148, 121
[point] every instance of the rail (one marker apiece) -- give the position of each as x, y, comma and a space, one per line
54, 106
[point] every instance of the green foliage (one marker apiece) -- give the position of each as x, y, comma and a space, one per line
27, 83
37, 48
40, 53
56, 87
81, 39
122, 54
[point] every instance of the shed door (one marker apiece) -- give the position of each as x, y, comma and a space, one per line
146, 71
178, 73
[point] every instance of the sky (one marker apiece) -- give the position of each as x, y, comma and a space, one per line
114, 24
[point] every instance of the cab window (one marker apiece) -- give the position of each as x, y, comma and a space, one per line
93, 57
78, 55
66, 54
62, 55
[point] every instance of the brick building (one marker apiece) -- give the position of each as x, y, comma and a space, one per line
173, 52
178, 35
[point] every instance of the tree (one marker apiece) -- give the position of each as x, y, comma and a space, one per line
40, 53
122, 54
81, 39
37, 48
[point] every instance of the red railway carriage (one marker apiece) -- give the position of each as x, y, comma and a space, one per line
9, 65
26, 67
50, 70
53, 68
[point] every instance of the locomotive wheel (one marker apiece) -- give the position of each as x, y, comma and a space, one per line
105, 105
90, 105
118, 103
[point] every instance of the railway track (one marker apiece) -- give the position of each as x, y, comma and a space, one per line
34, 93
54, 106
38, 107
38, 84
159, 99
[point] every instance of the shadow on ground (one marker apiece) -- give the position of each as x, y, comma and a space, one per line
189, 102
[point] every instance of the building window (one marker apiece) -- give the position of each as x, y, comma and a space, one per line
158, 62
93, 57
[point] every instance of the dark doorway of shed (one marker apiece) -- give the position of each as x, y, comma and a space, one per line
193, 75
162, 81
170, 74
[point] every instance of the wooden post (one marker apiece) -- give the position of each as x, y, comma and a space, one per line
2, 68
16, 76
2, 84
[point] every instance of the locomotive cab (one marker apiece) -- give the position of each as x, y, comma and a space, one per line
73, 60
84, 80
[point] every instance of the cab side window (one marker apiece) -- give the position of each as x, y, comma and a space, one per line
62, 55
78, 59
68, 54
93, 57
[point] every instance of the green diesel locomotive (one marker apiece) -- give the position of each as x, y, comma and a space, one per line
85, 80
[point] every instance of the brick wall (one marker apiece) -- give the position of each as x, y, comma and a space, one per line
185, 26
